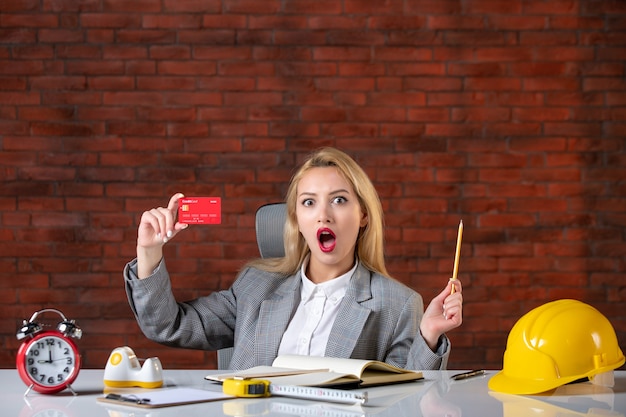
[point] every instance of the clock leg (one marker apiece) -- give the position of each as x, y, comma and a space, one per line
28, 389
71, 389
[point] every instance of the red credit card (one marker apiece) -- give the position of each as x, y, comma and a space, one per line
200, 210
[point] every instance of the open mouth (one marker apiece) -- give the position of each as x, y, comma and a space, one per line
326, 239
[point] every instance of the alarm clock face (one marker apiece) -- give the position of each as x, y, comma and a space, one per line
49, 362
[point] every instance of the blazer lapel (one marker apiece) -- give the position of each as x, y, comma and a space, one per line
274, 316
352, 316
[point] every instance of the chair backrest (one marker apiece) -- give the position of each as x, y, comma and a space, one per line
269, 225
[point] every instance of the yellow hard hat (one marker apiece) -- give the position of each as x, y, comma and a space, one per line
555, 344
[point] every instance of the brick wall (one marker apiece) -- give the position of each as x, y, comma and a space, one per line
508, 115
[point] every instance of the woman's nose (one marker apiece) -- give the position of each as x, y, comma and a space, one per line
324, 214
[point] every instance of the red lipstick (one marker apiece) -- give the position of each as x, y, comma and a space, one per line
326, 239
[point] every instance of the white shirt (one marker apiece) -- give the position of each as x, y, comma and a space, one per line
309, 329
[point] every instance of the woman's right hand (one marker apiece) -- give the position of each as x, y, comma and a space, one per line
159, 225
156, 227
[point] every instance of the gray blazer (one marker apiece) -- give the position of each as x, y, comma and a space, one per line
378, 318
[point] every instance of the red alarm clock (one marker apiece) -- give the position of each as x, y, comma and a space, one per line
48, 361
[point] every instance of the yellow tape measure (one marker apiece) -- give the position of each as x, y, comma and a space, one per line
246, 387
250, 388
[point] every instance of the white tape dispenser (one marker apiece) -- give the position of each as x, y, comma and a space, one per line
123, 370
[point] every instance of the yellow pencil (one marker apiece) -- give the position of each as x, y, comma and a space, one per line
457, 255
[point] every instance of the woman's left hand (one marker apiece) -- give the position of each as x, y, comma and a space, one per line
444, 313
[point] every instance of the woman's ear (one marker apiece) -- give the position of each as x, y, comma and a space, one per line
364, 219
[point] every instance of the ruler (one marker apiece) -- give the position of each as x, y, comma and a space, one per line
319, 394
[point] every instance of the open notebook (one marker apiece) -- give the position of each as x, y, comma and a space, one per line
317, 371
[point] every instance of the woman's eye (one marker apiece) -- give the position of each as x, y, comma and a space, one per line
308, 202
339, 200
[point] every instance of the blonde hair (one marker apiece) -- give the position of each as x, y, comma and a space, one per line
369, 246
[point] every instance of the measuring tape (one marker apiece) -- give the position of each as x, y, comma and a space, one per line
247, 388
254, 388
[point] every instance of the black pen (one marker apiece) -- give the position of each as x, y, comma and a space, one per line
129, 399
469, 374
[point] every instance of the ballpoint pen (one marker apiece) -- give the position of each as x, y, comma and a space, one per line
470, 374
129, 399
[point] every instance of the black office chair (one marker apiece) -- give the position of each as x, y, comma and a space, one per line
269, 225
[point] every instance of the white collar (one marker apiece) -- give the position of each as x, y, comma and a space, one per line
334, 289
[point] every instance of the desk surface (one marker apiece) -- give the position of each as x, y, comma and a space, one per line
435, 396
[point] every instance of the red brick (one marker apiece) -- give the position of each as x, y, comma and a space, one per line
334, 22
484, 114
436, 7
176, 99
454, 22
541, 114
312, 8
181, 21
455, 99
516, 22
125, 52
346, 98
433, 83
132, 143
251, 6
415, 69
549, 83
29, 20
19, 5
450, 130
495, 7
100, 35
267, 37
396, 23
144, 6
476, 38
478, 69
226, 83
205, 6
322, 114
429, 114
537, 69
345, 53
18, 35
573, 129
511, 54
352, 69
366, 7
19, 98
289, 22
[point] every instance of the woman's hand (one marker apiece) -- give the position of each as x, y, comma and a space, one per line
156, 227
444, 313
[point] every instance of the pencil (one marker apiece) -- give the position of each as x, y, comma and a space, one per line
457, 255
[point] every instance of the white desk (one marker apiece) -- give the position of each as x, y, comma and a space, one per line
436, 396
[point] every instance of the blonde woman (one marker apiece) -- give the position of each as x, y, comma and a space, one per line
330, 295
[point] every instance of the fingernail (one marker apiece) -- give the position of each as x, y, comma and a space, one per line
159, 235
165, 240
169, 233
